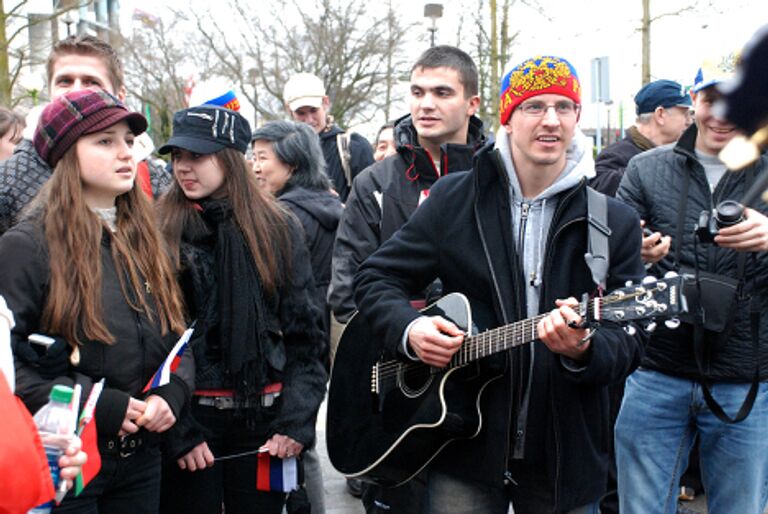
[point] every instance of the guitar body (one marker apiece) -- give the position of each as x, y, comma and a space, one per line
384, 426
388, 419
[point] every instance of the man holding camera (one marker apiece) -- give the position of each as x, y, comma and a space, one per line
707, 378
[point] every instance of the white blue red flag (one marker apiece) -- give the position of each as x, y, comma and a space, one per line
163, 375
275, 474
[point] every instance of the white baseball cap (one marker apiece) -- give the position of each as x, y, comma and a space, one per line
303, 90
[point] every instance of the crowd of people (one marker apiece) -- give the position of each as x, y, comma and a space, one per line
267, 257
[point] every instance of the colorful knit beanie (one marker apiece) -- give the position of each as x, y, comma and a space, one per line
540, 75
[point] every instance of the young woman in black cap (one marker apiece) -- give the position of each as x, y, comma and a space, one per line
245, 272
86, 267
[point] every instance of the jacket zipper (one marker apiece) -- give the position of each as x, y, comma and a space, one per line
525, 207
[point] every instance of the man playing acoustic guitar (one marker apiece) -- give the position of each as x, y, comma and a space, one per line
511, 235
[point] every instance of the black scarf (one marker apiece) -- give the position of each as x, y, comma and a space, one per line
246, 350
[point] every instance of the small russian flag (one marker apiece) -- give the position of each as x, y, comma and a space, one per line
163, 375
275, 474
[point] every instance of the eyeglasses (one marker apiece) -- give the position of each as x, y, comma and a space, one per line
563, 109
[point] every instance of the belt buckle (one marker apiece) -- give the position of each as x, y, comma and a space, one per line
268, 399
223, 402
129, 447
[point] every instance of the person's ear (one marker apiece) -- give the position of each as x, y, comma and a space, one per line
474, 105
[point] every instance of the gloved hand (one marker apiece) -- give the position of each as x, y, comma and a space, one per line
50, 363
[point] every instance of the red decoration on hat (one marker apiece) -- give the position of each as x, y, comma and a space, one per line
539, 75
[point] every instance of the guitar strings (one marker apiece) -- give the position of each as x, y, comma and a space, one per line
494, 339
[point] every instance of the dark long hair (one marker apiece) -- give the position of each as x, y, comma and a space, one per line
263, 222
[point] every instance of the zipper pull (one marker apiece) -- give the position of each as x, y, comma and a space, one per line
524, 208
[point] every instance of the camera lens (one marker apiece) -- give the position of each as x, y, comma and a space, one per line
729, 212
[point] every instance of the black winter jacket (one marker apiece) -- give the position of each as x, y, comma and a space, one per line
21, 177
612, 161
319, 213
294, 321
463, 235
652, 185
127, 365
383, 197
361, 156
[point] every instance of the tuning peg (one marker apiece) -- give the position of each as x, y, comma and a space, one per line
650, 327
671, 274
628, 283
672, 323
629, 329
649, 280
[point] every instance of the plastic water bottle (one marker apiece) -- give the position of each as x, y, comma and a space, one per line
55, 423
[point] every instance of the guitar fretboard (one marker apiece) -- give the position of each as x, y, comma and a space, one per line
502, 338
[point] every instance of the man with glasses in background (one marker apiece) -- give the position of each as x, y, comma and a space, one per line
511, 235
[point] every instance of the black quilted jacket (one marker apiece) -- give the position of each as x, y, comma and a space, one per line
21, 177
652, 185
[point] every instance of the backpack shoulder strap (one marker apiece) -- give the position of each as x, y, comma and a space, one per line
342, 144
597, 256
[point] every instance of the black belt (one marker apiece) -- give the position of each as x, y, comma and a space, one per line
127, 446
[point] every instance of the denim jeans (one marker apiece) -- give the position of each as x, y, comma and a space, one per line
449, 495
659, 419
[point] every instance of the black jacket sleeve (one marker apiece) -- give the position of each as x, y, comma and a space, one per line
404, 265
357, 237
613, 353
304, 375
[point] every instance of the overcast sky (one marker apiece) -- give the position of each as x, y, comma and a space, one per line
581, 30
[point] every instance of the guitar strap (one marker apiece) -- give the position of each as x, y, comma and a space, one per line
597, 256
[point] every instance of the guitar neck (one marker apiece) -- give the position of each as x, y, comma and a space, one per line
497, 340
500, 339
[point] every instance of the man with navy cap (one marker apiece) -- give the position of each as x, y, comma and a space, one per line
663, 112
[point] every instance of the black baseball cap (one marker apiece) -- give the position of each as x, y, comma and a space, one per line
207, 129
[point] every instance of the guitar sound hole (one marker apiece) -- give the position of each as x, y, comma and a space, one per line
413, 380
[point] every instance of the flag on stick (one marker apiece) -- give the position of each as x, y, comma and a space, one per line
163, 375
86, 429
275, 474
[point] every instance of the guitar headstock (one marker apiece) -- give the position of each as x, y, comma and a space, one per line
652, 299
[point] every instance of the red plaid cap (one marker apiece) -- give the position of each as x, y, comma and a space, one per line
78, 113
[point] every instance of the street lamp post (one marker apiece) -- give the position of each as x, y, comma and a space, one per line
433, 12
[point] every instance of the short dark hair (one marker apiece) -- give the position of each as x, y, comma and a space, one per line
387, 125
296, 145
93, 47
445, 56
11, 121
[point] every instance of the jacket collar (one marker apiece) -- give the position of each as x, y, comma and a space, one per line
453, 157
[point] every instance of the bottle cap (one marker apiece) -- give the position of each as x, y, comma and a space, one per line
61, 393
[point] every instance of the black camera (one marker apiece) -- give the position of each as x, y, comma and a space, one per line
726, 214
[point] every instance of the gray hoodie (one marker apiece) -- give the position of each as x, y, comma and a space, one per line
532, 217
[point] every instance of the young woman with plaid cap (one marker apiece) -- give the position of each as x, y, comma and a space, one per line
245, 271
86, 266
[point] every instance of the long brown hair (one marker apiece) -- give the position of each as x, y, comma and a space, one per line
263, 222
73, 234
